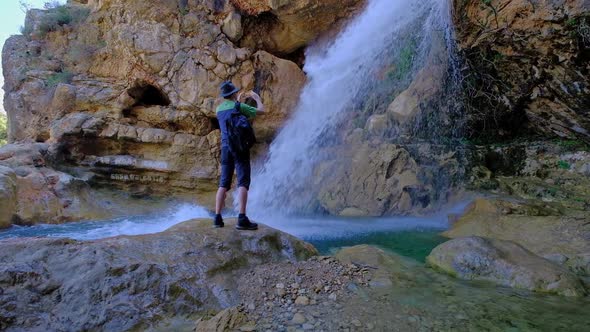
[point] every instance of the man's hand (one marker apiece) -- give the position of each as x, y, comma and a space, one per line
243, 95
259, 104
256, 97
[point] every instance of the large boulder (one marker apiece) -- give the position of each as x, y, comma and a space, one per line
505, 263
526, 65
128, 282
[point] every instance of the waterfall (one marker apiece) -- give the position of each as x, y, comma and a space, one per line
339, 76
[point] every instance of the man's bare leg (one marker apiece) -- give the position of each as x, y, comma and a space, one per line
219, 204
220, 200
242, 199
243, 221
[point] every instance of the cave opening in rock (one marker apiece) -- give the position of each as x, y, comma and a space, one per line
297, 56
146, 94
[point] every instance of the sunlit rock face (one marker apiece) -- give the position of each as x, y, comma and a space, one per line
125, 92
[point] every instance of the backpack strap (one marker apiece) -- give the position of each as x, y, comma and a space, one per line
237, 107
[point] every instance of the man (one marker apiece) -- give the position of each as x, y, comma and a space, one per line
229, 160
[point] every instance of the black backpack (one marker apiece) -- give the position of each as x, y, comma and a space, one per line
239, 132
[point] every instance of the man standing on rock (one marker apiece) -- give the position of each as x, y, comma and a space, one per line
229, 159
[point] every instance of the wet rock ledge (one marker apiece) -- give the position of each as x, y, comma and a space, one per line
128, 282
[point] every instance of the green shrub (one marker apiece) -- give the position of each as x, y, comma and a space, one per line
60, 15
61, 77
573, 145
404, 61
579, 29
583, 31
571, 22
25, 30
3, 129
562, 164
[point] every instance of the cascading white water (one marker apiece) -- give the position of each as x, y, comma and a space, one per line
337, 74
131, 225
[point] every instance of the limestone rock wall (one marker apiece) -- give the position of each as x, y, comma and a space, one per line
7, 195
124, 92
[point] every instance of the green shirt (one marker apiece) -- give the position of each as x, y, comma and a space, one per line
246, 109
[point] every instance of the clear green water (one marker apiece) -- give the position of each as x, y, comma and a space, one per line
415, 244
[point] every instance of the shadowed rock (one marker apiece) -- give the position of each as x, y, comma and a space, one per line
530, 62
284, 26
31, 192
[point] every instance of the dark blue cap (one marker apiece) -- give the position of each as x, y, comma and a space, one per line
228, 88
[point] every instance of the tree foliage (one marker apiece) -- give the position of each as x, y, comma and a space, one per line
3, 129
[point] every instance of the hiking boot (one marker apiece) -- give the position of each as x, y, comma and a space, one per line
218, 222
244, 224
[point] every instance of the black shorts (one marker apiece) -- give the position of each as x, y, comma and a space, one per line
229, 162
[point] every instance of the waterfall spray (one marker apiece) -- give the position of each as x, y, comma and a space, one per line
339, 74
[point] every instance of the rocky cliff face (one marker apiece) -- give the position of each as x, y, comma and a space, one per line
527, 66
124, 92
